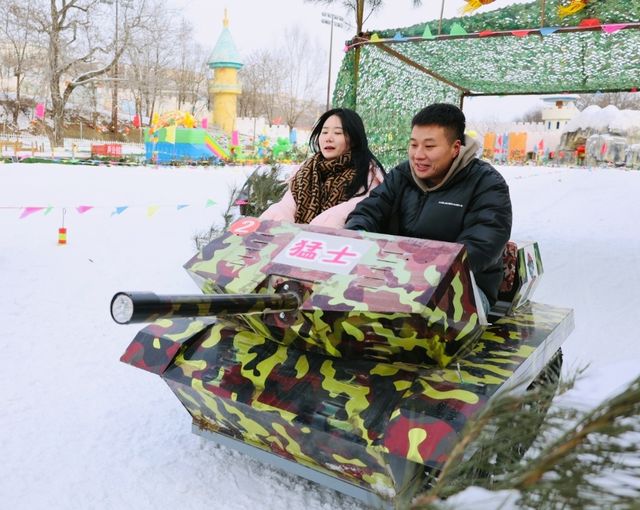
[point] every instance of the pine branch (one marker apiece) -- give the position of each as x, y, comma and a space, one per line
569, 459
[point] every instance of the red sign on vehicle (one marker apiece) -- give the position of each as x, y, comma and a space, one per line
244, 226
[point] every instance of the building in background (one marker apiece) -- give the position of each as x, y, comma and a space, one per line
558, 110
224, 86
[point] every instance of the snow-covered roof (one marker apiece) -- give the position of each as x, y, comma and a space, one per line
609, 118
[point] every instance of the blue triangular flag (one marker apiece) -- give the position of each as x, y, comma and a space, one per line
548, 30
182, 206
119, 210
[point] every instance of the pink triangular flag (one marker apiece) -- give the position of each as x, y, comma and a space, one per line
84, 208
29, 210
613, 27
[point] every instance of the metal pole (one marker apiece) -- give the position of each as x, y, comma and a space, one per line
441, 14
329, 76
114, 98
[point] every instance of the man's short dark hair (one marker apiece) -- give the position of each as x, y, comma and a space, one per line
445, 115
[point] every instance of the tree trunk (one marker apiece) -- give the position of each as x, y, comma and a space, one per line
57, 114
16, 110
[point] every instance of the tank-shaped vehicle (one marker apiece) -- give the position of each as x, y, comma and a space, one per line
350, 358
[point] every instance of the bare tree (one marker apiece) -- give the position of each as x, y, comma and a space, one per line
21, 44
252, 76
359, 10
78, 52
262, 79
622, 100
301, 84
189, 75
150, 58
531, 116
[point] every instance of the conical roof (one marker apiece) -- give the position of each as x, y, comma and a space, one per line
225, 53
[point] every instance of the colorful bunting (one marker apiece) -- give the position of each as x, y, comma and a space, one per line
81, 209
398, 37
427, 33
119, 210
151, 210
612, 28
457, 29
485, 33
520, 33
590, 22
545, 31
375, 38
27, 211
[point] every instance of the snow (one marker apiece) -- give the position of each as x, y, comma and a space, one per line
79, 429
609, 118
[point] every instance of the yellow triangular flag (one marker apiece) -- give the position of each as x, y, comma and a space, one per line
152, 209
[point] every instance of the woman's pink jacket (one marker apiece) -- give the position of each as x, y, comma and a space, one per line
335, 216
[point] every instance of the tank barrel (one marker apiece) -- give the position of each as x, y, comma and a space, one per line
135, 307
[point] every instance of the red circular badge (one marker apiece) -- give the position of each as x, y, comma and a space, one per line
244, 226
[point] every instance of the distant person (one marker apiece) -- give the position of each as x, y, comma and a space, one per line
329, 184
444, 192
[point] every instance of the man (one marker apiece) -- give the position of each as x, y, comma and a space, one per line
445, 193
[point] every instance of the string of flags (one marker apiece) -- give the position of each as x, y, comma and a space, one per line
26, 211
457, 29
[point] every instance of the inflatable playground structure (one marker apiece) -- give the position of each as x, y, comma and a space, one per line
174, 137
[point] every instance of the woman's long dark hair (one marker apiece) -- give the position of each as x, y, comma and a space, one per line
361, 156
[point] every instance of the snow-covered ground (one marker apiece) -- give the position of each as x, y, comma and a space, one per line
80, 430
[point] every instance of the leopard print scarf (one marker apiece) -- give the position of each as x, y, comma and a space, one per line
321, 184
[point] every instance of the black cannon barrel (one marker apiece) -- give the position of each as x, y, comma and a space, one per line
132, 307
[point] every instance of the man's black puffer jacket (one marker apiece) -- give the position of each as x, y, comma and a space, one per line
473, 208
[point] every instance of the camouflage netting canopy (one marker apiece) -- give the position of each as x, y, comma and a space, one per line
514, 50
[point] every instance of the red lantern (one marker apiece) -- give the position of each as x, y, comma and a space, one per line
136, 121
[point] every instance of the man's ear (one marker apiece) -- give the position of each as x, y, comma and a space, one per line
456, 146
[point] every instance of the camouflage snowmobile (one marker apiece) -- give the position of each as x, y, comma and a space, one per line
350, 358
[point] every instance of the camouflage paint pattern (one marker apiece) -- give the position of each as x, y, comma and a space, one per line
366, 409
406, 299
345, 418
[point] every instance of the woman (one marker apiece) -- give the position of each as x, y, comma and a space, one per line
329, 184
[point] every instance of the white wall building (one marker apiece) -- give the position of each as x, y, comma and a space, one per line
558, 110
